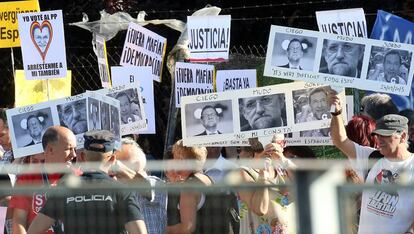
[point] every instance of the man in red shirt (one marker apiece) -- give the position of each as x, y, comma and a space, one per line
59, 145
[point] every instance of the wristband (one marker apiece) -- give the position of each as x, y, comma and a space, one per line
336, 113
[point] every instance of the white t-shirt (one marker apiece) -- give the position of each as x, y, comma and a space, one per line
385, 212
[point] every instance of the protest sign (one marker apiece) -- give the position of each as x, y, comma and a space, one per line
29, 92
209, 38
347, 22
132, 111
103, 62
139, 76
9, 33
349, 106
192, 79
389, 27
79, 113
143, 47
255, 112
339, 60
43, 44
235, 79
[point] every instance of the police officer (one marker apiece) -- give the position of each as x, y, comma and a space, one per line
98, 211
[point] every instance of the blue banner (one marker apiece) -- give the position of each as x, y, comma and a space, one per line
389, 27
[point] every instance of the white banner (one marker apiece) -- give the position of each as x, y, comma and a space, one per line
43, 44
347, 22
143, 47
256, 112
80, 113
192, 79
339, 60
235, 79
209, 38
139, 76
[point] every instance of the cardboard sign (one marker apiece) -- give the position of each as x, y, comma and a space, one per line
29, 92
132, 111
9, 33
43, 44
235, 79
80, 113
141, 77
347, 22
338, 60
143, 47
103, 62
209, 38
256, 112
389, 27
192, 79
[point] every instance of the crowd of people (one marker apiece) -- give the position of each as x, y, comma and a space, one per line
380, 132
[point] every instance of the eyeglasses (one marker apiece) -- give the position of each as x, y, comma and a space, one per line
334, 48
264, 101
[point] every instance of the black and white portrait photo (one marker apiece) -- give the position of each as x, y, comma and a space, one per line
294, 51
311, 104
105, 116
93, 114
130, 107
114, 121
389, 65
73, 116
342, 58
209, 118
30, 127
261, 112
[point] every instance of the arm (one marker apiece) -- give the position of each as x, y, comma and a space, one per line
257, 200
19, 220
40, 224
338, 132
136, 227
188, 213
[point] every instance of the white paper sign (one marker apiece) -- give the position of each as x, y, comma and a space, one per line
192, 79
3, 212
43, 44
255, 112
102, 62
127, 75
347, 22
143, 47
80, 113
349, 106
340, 60
132, 111
209, 38
235, 79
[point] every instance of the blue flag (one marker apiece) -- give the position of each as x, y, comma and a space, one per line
389, 27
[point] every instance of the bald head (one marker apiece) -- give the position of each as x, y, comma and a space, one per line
132, 153
59, 145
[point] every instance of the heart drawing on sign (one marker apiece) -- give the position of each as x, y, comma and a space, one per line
41, 35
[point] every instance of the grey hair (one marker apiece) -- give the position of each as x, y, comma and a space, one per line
377, 105
141, 155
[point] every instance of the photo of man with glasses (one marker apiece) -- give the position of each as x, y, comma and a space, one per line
261, 112
342, 58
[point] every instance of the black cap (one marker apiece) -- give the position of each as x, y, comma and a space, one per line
389, 124
99, 141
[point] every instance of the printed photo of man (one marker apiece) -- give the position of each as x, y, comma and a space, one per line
73, 116
391, 70
342, 58
294, 53
209, 119
262, 112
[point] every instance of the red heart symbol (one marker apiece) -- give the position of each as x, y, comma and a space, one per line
41, 35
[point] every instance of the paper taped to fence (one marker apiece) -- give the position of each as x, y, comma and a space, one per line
347, 22
103, 65
80, 113
43, 44
132, 111
209, 38
141, 77
338, 60
256, 112
235, 79
143, 47
192, 79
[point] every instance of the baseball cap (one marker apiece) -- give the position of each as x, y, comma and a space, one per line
389, 124
99, 141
